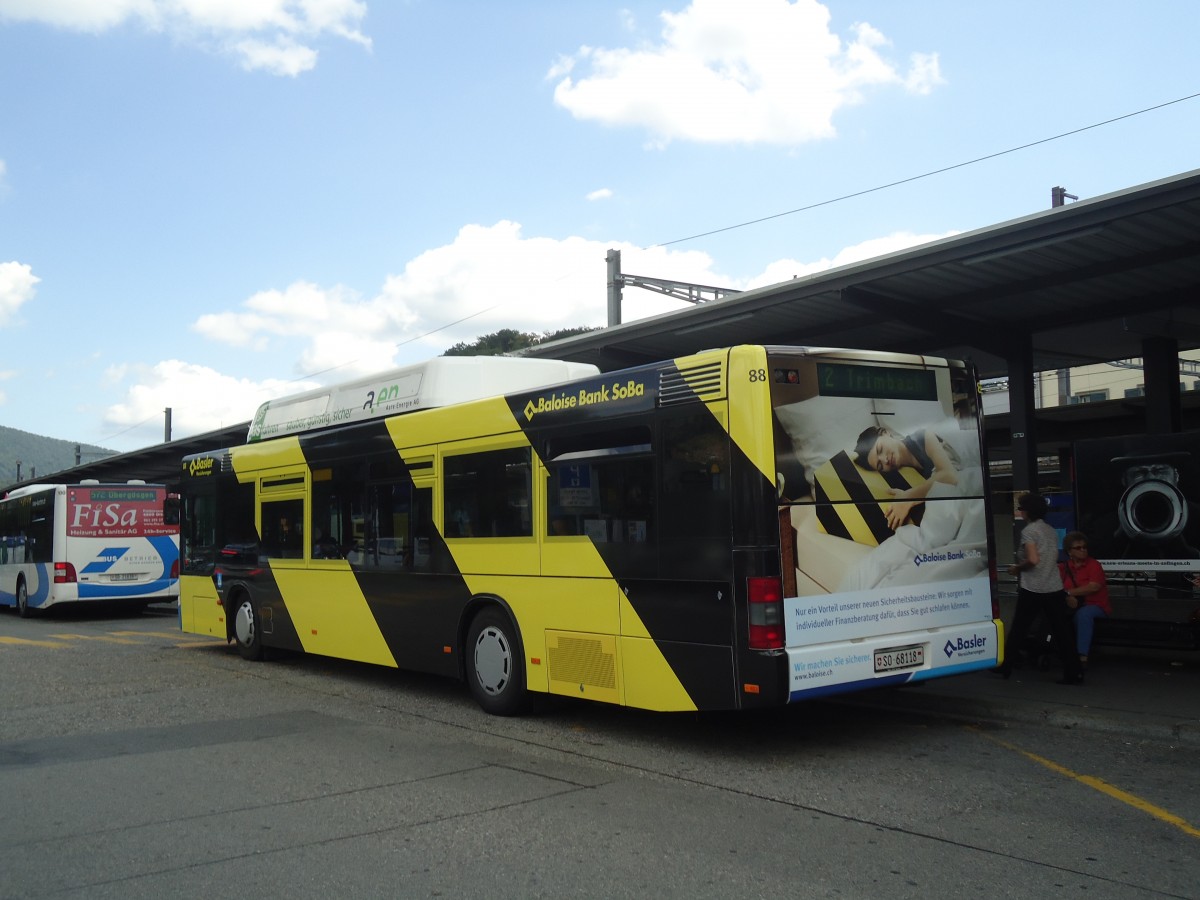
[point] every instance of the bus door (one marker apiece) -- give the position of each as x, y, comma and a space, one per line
272, 567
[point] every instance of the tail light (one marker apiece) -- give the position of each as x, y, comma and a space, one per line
64, 573
175, 568
765, 597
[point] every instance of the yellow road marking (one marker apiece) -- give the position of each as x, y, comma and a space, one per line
29, 643
162, 634
1103, 787
182, 639
118, 637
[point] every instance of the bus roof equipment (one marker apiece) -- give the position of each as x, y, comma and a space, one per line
441, 381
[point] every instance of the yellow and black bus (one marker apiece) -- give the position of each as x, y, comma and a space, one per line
740, 528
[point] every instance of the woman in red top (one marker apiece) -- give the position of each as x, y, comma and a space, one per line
1087, 591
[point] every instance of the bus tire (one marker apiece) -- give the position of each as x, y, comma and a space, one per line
496, 664
247, 629
23, 609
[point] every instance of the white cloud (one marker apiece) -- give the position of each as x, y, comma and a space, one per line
487, 279
16, 288
786, 269
281, 58
329, 317
201, 399
924, 74
78, 15
601, 194
757, 70
562, 66
271, 35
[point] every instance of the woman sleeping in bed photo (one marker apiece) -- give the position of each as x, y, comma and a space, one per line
880, 449
952, 527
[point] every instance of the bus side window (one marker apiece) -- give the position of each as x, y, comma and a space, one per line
39, 544
428, 551
387, 525
601, 484
399, 534
695, 475
337, 510
696, 507
283, 529
489, 494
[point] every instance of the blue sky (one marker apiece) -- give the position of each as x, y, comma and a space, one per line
207, 203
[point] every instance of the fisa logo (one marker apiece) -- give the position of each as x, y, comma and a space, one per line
972, 646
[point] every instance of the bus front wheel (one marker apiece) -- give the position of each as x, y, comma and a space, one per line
247, 630
23, 609
495, 664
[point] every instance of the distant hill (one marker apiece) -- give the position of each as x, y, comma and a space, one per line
40, 456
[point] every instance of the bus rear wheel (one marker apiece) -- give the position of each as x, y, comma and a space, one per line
495, 664
23, 609
247, 630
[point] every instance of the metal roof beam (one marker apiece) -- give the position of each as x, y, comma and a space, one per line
942, 326
1058, 278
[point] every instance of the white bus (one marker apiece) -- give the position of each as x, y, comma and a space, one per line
89, 542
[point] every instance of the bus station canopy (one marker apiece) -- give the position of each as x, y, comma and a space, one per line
1086, 282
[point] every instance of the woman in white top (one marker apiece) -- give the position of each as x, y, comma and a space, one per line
1040, 588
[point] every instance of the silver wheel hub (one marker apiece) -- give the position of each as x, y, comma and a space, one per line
493, 660
243, 624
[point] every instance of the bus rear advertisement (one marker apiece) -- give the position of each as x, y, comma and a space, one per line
76, 543
740, 528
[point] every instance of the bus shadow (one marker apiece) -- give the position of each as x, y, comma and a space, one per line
754, 735
102, 612
819, 726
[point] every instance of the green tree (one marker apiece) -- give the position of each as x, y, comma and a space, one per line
506, 340
497, 343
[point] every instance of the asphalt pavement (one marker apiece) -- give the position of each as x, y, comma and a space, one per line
1143, 693
1136, 692
1146, 693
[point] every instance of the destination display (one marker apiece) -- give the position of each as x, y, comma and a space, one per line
877, 382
